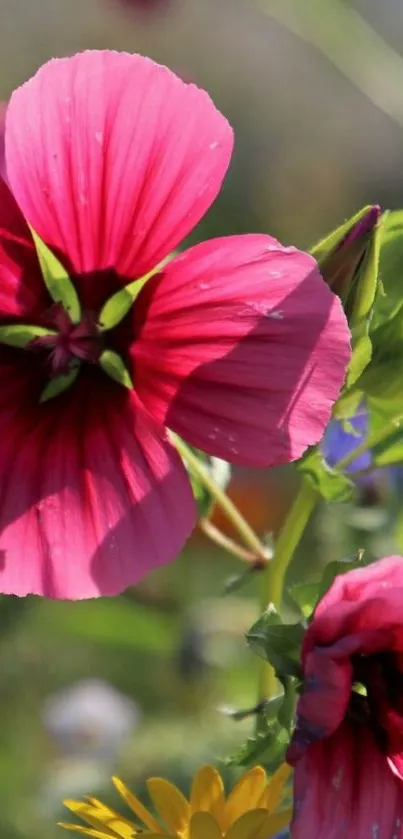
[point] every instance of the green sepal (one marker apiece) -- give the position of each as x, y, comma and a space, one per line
57, 280
21, 335
120, 303
305, 596
59, 384
349, 261
113, 365
330, 484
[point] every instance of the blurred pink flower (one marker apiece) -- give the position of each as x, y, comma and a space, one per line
2, 132
348, 745
237, 344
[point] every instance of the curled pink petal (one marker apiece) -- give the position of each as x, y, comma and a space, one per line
347, 747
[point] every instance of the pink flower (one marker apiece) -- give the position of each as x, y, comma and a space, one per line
2, 130
348, 745
237, 344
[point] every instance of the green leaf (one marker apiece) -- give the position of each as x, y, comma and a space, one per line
331, 485
381, 381
277, 643
286, 714
59, 384
57, 280
389, 450
366, 282
267, 747
338, 567
389, 300
114, 366
117, 307
20, 335
305, 595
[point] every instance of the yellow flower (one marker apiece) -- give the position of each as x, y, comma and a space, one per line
249, 812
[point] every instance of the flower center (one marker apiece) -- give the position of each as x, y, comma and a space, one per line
71, 343
76, 336
378, 702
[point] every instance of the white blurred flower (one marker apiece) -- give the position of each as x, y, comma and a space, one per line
90, 719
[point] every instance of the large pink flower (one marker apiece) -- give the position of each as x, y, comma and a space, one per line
348, 744
2, 131
237, 344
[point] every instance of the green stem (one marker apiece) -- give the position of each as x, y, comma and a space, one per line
223, 541
371, 441
274, 576
236, 518
290, 535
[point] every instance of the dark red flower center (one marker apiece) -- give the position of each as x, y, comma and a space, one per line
71, 342
378, 699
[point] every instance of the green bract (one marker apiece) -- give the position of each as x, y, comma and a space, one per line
59, 384
20, 334
114, 366
117, 307
57, 280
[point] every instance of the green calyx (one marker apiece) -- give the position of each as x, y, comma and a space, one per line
60, 383
120, 303
64, 294
57, 280
21, 334
113, 365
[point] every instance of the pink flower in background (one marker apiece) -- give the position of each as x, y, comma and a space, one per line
237, 344
348, 745
2, 130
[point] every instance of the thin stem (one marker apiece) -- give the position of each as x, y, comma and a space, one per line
227, 543
236, 518
350, 43
371, 441
274, 576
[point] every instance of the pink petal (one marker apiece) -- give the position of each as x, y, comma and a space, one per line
362, 611
2, 132
344, 789
113, 159
241, 349
23, 293
363, 583
92, 497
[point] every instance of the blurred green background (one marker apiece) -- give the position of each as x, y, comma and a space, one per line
138, 685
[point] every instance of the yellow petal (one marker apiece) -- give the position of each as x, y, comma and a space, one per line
273, 793
137, 807
248, 826
85, 831
245, 795
111, 819
275, 823
208, 792
204, 826
170, 804
91, 815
